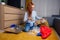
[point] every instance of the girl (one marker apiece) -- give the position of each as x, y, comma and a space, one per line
30, 17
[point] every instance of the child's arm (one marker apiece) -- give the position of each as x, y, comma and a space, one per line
25, 17
30, 18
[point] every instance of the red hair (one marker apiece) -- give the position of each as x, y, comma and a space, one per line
28, 6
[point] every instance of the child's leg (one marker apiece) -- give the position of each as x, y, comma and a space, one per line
27, 27
31, 28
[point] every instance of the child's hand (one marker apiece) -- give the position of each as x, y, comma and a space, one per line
38, 22
35, 24
29, 18
42, 20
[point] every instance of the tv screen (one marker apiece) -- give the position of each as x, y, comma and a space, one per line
15, 3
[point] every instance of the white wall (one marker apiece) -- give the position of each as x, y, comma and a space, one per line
59, 6
59, 3
40, 7
46, 8
23, 3
52, 7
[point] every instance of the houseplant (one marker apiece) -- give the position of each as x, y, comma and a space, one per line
3, 2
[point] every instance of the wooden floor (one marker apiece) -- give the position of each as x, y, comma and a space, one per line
25, 36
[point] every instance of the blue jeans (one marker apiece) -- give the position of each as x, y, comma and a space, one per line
28, 27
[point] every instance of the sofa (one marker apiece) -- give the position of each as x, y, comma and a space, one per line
54, 22
57, 25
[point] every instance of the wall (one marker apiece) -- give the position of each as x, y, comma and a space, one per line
40, 7
23, 3
46, 8
52, 7
59, 7
59, 3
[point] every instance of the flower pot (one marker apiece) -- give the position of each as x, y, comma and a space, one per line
3, 3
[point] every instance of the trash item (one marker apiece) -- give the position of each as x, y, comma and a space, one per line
35, 31
45, 31
15, 28
19, 29
1, 31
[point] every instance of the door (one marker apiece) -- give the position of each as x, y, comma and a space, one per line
27, 2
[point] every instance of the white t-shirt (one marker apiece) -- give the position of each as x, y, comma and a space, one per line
34, 17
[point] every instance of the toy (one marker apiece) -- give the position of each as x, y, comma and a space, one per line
45, 31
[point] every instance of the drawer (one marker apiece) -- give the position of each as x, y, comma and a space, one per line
12, 17
8, 23
12, 10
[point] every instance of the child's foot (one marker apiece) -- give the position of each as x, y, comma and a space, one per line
38, 34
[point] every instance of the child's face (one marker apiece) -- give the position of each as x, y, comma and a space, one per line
30, 8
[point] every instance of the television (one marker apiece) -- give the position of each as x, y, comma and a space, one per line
15, 3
